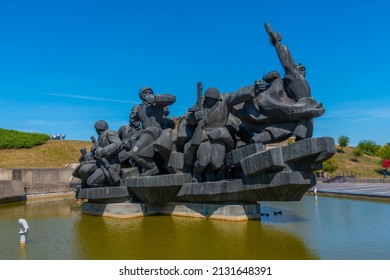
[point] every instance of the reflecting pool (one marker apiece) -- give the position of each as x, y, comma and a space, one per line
322, 228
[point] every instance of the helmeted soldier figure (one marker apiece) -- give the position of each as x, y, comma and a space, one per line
103, 167
150, 113
211, 135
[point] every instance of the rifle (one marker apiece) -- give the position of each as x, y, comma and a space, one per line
199, 99
110, 172
199, 88
197, 136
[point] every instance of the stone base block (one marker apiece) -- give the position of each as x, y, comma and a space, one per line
228, 212
103, 193
234, 157
310, 150
280, 186
262, 162
157, 189
45, 189
11, 191
238, 212
115, 210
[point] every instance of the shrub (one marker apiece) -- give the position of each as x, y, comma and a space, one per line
13, 139
343, 142
330, 165
368, 146
384, 151
357, 152
386, 163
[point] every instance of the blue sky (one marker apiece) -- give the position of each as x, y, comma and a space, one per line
66, 64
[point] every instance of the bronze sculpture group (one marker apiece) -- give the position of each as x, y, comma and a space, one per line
220, 140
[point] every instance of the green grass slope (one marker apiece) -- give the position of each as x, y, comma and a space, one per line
53, 153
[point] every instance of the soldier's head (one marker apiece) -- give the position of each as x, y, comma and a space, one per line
301, 69
100, 126
145, 91
211, 96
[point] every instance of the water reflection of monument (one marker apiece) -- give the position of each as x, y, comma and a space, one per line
217, 162
170, 238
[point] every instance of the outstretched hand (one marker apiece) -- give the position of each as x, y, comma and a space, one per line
274, 36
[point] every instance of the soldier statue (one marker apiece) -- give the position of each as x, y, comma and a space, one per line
101, 167
211, 137
150, 113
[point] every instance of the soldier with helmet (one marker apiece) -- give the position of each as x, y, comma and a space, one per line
211, 136
109, 143
150, 114
101, 167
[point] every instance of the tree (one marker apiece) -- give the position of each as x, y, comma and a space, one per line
343, 141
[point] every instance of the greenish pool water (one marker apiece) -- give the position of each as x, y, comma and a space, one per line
326, 228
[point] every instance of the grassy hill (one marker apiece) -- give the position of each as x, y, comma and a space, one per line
55, 153
366, 166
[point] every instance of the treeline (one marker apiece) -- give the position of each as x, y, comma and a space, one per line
13, 139
369, 147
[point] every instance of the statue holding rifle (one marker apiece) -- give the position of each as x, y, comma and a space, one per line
101, 167
211, 139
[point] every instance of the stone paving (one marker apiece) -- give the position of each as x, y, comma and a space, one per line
360, 189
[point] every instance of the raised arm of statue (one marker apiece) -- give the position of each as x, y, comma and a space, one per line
283, 51
162, 100
245, 94
285, 58
294, 79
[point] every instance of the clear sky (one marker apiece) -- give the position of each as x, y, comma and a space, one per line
66, 64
